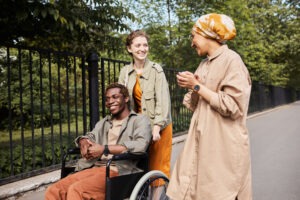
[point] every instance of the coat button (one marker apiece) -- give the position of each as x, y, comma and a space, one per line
144, 109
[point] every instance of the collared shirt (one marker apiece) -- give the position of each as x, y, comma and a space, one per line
135, 135
114, 131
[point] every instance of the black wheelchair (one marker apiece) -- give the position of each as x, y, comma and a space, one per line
136, 186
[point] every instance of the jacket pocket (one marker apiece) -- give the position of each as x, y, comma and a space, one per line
149, 97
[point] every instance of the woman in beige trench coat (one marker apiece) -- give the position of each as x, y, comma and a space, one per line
215, 161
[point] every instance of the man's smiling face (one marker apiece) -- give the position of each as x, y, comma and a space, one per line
115, 101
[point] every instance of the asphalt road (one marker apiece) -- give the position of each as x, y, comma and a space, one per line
275, 145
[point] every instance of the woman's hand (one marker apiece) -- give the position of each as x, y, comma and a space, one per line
155, 133
187, 79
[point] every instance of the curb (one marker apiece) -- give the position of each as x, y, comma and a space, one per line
29, 184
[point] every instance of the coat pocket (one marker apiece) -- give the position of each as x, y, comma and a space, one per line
149, 97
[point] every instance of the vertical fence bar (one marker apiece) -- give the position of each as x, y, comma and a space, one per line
115, 74
32, 110
51, 107
10, 112
83, 95
76, 96
68, 98
21, 107
108, 73
119, 66
42, 108
59, 104
103, 86
93, 89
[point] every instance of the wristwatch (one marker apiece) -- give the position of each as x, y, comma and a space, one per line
106, 150
196, 88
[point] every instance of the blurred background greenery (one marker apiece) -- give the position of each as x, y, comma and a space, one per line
268, 31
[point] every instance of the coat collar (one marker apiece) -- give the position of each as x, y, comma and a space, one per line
218, 52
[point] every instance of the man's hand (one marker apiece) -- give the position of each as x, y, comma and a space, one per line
94, 151
155, 133
84, 144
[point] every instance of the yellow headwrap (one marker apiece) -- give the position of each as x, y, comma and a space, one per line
215, 26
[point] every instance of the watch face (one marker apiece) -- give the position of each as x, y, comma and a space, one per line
197, 87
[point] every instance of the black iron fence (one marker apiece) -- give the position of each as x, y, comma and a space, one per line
268, 96
49, 97
43, 107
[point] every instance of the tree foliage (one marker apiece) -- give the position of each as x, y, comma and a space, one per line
267, 39
75, 25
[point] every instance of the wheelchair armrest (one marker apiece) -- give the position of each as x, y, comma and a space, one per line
124, 156
129, 156
70, 151
75, 150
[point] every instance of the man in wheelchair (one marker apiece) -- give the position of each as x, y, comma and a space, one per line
122, 131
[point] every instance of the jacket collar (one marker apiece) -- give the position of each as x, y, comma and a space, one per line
146, 71
109, 118
124, 123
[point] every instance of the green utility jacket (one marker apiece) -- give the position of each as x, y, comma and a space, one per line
135, 135
156, 101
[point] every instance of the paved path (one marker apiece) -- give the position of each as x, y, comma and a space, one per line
275, 145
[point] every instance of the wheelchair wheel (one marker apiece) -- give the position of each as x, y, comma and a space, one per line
152, 185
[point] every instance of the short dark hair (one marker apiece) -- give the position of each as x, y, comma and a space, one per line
123, 89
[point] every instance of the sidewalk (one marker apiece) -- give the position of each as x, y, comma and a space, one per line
275, 158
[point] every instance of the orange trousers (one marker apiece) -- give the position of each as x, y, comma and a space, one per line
160, 152
86, 184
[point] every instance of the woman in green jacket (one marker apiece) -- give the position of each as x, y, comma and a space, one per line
149, 93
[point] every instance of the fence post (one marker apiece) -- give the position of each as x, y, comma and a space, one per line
93, 88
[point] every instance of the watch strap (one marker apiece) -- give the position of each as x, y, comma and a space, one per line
106, 150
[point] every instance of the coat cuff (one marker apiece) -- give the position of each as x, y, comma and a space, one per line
214, 101
78, 138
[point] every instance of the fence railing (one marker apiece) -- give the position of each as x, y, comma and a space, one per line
49, 97
43, 107
268, 96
